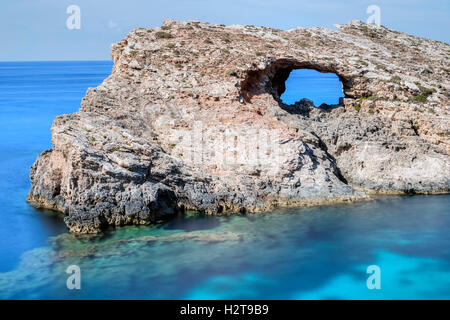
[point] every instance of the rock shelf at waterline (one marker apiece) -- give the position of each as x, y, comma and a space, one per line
191, 119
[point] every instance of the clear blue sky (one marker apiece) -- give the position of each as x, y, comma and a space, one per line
36, 29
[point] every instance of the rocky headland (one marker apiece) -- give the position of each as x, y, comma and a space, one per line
191, 119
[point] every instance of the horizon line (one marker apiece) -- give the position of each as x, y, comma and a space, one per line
53, 60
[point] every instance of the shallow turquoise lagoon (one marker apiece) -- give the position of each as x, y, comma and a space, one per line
309, 253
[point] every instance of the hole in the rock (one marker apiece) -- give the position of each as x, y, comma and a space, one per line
320, 87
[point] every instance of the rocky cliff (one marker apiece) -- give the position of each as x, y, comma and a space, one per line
191, 118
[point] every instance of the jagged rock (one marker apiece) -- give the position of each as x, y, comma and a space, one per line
305, 105
191, 118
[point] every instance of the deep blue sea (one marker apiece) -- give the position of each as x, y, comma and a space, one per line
318, 252
316, 86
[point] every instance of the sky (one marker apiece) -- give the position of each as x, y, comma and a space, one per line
36, 29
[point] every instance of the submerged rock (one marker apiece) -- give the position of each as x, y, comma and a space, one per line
191, 118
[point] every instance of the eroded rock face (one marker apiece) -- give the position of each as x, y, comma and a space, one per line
191, 118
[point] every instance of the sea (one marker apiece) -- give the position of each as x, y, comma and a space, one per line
314, 85
392, 247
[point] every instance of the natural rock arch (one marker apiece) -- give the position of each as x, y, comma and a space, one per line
145, 143
272, 79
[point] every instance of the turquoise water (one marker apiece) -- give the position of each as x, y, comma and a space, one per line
316, 86
31, 95
309, 253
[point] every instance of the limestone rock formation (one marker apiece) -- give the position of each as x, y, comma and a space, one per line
191, 119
